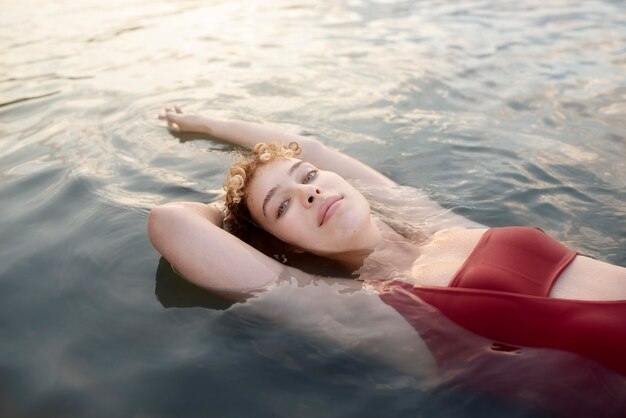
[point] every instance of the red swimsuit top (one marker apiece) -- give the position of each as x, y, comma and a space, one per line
515, 259
501, 292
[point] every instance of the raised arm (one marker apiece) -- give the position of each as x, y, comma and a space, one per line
247, 135
190, 237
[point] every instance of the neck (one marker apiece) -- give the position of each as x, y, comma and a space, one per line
386, 239
370, 238
353, 260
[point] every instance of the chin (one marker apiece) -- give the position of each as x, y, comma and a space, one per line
351, 223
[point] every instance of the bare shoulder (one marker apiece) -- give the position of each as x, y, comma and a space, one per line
449, 235
413, 206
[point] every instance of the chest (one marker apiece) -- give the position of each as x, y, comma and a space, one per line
444, 255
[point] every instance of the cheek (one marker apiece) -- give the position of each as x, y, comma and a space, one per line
290, 229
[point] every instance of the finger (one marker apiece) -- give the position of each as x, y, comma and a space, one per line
178, 110
164, 112
172, 125
171, 116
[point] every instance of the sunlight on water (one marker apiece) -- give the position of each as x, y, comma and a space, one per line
505, 112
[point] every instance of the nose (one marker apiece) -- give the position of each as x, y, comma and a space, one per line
309, 193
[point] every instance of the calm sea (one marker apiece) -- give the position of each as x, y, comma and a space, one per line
509, 112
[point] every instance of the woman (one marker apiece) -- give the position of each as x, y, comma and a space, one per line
514, 285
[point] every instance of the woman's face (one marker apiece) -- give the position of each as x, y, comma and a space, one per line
314, 210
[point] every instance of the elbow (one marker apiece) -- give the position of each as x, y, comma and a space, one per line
154, 224
158, 220
168, 222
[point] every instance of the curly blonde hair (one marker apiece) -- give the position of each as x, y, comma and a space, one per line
237, 219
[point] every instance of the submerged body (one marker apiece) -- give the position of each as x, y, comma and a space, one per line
308, 205
501, 292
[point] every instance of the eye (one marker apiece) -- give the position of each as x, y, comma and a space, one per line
310, 176
282, 209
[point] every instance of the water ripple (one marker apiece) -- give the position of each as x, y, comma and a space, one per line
508, 112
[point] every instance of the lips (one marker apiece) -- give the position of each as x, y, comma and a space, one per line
327, 209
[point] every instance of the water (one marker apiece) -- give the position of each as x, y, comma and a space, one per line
509, 112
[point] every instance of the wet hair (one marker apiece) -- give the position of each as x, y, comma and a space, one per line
237, 218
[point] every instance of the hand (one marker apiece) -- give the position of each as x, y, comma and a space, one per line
177, 121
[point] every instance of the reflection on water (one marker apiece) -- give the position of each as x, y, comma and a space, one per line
507, 112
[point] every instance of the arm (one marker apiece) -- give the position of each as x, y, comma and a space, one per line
247, 135
190, 237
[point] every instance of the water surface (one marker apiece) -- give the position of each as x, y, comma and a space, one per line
508, 112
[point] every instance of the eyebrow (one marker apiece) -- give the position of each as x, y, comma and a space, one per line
295, 167
268, 196
273, 190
